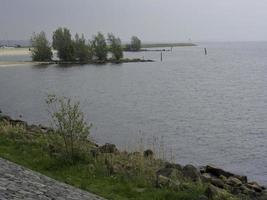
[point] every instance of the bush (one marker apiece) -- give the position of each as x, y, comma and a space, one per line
70, 130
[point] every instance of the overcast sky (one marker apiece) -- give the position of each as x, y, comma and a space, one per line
151, 20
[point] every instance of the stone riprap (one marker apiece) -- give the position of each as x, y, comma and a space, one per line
19, 183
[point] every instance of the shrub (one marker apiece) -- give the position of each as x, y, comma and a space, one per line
70, 130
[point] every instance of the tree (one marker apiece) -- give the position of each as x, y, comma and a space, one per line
135, 43
115, 47
81, 49
99, 47
41, 48
63, 43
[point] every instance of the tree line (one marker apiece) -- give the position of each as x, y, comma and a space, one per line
79, 49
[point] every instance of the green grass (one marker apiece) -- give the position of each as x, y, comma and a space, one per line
29, 150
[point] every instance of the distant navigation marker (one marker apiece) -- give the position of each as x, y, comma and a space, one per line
205, 50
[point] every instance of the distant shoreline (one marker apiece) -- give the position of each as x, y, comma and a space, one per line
18, 63
156, 45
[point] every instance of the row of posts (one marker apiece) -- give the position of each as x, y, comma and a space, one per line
161, 54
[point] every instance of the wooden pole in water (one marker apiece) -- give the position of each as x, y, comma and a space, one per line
161, 56
206, 52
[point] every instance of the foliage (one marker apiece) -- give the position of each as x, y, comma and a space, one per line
115, 47
99, 47
135, 43
63, 43
81, 49
68, 125
41, 48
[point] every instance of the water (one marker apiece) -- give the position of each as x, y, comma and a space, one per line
208, 109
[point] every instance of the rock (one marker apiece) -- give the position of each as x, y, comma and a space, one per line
217, 171
108, 148
202, 169
168, 172
163, 181
212, 191
202, 197
173, 166
148, 153
234, 181
243, 179
191, 172
245, 190
220, 172
223, 178
217, 182
206, 177
254, 186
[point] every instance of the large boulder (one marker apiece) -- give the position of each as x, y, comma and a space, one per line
215, 171
212, 191
169, 173
255, 186
191, 172
217, 182
148, 153
235, 182
173, 166
206, 177
108, 148
163, 181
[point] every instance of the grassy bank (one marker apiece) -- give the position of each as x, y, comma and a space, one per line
136, 180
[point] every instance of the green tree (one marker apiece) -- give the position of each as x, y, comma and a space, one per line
63, 43
81, 49
135, 43
99, 47
41, 48
115, 47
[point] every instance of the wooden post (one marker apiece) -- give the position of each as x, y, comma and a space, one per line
161, 56
206, 52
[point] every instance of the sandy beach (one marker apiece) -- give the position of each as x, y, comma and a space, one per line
14, 52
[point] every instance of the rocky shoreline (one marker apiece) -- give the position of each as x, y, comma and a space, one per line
218, 180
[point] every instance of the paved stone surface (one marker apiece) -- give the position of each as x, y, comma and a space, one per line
19, 183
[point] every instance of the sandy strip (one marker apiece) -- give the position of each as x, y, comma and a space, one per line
19, 63
15, 52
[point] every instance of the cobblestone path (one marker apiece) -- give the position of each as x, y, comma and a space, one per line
19, 183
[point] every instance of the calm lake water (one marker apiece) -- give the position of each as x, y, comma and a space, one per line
205, 109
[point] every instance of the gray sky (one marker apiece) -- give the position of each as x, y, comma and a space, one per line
151, 20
